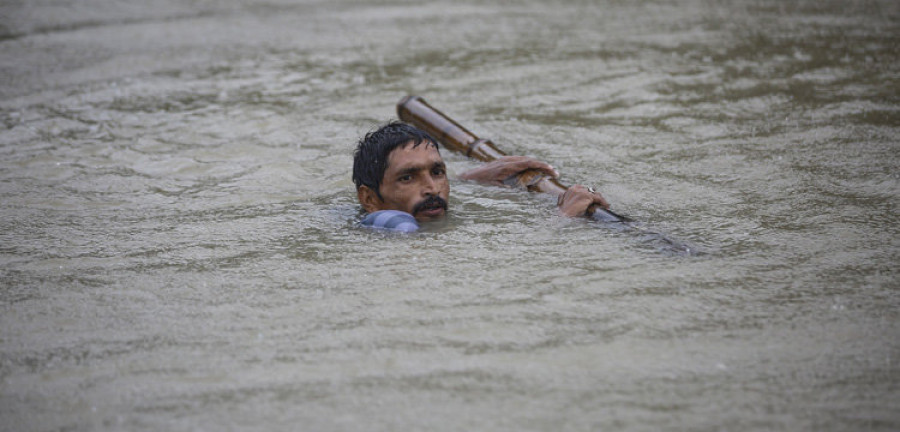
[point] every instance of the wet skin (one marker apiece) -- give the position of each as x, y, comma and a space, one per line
415, 175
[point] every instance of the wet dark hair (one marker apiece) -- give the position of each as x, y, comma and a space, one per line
371, 156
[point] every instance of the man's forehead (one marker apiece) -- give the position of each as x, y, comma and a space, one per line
412, 145
411, 153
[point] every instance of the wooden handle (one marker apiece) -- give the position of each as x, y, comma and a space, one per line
415, 111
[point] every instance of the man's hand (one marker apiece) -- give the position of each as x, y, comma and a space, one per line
495, 172
577, 199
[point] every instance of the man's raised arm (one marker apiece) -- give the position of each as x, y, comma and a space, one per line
499, 170
574, 202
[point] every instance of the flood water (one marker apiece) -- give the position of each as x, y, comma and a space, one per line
179, 248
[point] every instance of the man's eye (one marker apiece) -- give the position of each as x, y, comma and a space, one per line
438, 171
405, 178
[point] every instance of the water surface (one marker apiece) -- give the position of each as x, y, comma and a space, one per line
178, 248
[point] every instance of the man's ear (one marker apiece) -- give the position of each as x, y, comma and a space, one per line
369, 199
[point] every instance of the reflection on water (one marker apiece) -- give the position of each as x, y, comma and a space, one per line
179, 249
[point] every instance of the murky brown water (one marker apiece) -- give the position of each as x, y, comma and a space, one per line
178, 248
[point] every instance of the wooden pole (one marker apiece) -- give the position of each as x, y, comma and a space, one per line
415, 111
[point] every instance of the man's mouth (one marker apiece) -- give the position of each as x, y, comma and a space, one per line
431, 206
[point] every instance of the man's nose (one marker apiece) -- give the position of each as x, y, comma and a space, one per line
429, 186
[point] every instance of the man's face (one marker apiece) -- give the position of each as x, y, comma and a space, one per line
415, 181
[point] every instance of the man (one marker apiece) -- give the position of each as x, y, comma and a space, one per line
401, 178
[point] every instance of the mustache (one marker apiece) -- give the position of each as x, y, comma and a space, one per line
432, 201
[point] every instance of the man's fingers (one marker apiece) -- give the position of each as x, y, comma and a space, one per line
588, 195
543, 167
517, 164
599, 200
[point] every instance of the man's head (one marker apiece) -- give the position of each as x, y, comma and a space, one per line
398, 167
